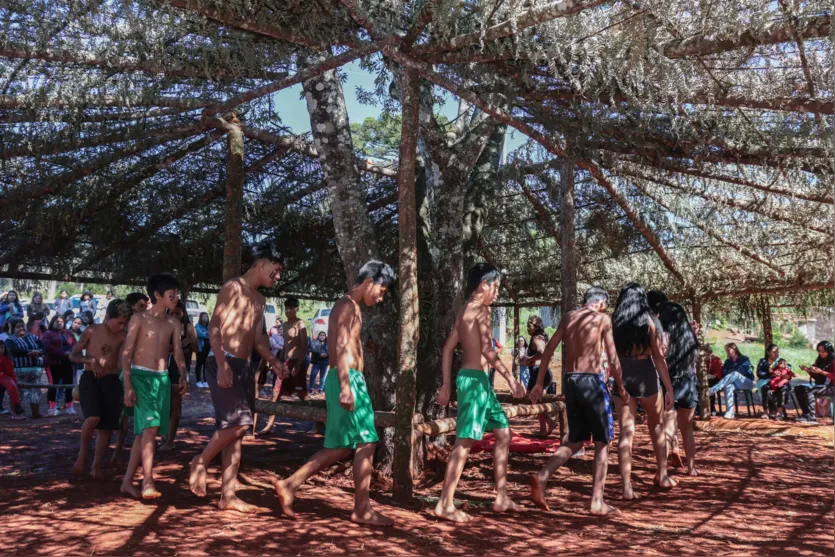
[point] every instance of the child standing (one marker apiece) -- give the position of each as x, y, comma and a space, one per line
780, 384
151, 335
8, 381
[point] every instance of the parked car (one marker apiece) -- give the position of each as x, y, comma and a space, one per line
194, 309
270, 315
319, 322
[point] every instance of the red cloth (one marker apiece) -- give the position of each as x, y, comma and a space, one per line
10, 384
296, 384
7, 367
518, 444
715, 366
830, 373
780, 377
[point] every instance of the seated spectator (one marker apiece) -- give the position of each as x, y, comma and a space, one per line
8, 381
319, 360
38, 309
26, 352
10, 308
780, 385
822, 376
764, 375
714, 370
58, 343
737, 374
63, 304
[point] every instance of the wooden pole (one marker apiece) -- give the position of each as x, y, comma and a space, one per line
568, 250
516, 339
765, 310
404, 465
234, 203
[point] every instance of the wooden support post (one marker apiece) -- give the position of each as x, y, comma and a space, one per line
233, 231
568, 251
765, 310
702, 369
516, 370
404, 466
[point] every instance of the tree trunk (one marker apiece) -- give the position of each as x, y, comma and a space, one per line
702, 369
404, 435
568, 251
234, 204
765, 315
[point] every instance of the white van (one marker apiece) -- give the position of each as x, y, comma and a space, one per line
194, 309
270, 314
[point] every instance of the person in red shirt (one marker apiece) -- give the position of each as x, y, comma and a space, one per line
714, 370
8, 381
780, 384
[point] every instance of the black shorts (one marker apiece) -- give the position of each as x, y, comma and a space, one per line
589, 408
174, 371
102, 397
639, 377
233, 406
685, 391
549, 378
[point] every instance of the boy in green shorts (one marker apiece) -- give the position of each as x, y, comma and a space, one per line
350, 422
139, 302
145, 372
478, 408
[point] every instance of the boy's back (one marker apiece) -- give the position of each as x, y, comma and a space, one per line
152, 343
471, 323
583, 331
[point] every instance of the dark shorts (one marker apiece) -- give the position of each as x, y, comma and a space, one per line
102, 397
174, 371
233, 406
639, 377
588, 407
549, 378
685, 391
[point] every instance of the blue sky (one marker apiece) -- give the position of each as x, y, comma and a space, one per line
293, 111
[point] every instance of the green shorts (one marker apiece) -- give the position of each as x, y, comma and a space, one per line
153, 399
127, 411
478, 408
344, 429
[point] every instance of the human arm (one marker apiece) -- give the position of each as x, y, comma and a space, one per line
263, 348
77, 354
202, 332
490, 354
612, 355
219, 315
30, 311
446, 367
179, 356
127, 357
191, 334
545, 360
763, 369
661, 366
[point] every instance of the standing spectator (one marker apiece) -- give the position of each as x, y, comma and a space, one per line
737, 374
714, 370
58, 343
764, 375
519, 354
75, 327
276, 327
10, 308
26, 352
822, 376
188, 341
277, 341
203, 348
8, 381
319, 359
86, 319
63, 304
88, 303
38, 309
539, 340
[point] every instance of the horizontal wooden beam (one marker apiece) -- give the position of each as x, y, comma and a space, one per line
771, 290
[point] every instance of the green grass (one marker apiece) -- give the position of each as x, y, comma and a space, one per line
754, 350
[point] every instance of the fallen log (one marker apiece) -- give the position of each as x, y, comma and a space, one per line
507, 398
448, 425
43, 386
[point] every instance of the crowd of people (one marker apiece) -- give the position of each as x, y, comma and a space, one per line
135, 365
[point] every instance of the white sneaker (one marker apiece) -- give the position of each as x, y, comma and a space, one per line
70, 411
578, 454
205, 385
729, 416
51, 412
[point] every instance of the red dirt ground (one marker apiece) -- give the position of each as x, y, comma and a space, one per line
759, 494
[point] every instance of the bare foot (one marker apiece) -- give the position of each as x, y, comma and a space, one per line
675, 460
603, 509
167, 446
285, 497
78, 468
629, 494
692, 472
235, 504
506, 504
149, 491
97, 475
129, 489
197, 477
666, 483
371, 518
249, 437
452, 514
538, 493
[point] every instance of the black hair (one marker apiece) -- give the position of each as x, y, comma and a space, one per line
631, 319
15, 323
200, 317
88, 314
656, 299
135, 297
181, 305
54, 319
683, 350
87, 293
69, 313
377, 271
595, 294
291, 302
824, 363
16, 299
768, 349
481, 272
119, 308
268, 250
161, 284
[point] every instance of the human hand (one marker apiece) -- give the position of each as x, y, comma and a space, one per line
536, 393
346, 398
518, 390
443, 396
130, 397
224, 374
668, 400
96, 367
183, 386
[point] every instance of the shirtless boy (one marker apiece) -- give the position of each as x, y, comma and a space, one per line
147, 386
478, 408
350, 421
100, 388
139, 302
586, 332
235, 330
